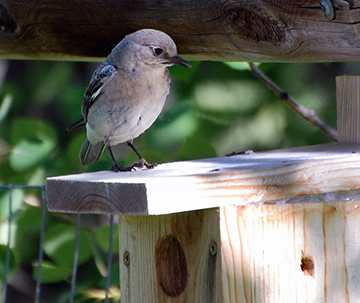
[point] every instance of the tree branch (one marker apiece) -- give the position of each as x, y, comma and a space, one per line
308, 115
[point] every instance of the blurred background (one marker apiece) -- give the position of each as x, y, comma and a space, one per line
213, 109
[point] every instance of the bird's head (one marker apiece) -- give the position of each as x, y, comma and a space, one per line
151, 47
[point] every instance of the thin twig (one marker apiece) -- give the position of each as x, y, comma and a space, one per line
308, 115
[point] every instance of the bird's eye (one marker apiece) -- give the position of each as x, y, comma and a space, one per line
158, 51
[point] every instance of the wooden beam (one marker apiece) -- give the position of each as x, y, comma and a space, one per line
206, 183
348, 108
243, 30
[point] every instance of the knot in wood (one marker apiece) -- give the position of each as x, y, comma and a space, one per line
171, 268
7, 21
255, 24
307, 265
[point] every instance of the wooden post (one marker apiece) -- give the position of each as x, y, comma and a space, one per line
279, 226
300, 246
348, 108
305, 252
171, 258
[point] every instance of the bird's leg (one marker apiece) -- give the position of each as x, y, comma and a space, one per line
116, 167
142, 162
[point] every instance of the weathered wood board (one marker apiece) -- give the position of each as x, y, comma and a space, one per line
207, 183
244, 30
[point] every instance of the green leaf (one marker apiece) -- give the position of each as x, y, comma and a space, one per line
28, 234
12, 263
34, 140
240, 65
196, 148
178, 129
114, 276
5, 106
51, 273
52, 81
27, 154
229, 97
102, 238
183, 74
32, 130
60, 244
16, 202
37, 176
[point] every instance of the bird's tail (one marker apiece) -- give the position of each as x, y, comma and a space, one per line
90, 153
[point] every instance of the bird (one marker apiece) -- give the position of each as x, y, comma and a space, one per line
126, 94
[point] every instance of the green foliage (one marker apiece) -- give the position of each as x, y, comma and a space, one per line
213, 109
33, 141
60, 244
51, 273
12, 266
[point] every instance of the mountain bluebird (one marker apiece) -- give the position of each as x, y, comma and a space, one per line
127, 93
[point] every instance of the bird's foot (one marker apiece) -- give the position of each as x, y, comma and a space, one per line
144, 164
116, 168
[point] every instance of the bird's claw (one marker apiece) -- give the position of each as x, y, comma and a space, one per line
116, 168
143, 164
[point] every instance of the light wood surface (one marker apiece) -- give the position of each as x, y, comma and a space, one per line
264, 247
170, 258
302, 252
255, 30
271, 227
207, 183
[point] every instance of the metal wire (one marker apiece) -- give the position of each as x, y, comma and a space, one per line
7, 258
76, 255
109, 259
41, 245
10, 188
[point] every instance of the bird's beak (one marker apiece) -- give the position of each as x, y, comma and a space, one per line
180, 61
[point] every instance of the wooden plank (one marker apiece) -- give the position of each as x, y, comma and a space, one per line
303, 252
291, 253
348, 108
206, 183
171, 258
244, 30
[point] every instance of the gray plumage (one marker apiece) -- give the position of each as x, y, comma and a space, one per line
127, 93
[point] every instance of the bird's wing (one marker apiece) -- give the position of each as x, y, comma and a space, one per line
104, 72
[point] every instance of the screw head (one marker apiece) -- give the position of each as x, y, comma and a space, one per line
213, 248
126, 258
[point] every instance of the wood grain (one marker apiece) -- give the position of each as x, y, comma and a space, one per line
260, 259
264, 247
141, 280
256, 30
238, 180
348, 108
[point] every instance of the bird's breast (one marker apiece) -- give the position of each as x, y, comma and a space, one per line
128, 106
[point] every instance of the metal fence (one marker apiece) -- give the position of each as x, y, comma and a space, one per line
10, 189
